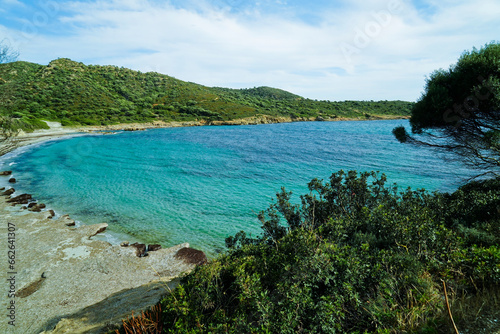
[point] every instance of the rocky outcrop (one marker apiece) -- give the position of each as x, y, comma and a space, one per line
8, 192
34, 207
153, 248
69, 282
6, 173
67, 220
21, 199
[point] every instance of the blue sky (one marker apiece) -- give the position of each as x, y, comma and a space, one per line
326, 50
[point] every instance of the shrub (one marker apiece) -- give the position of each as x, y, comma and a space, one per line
355, 256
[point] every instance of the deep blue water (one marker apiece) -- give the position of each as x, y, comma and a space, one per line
202, 184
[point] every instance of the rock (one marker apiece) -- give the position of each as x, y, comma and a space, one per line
2, 189
124, 244
68, 221
8, 192
35, 208
96, 229
21, 199
140, 249
52, 213
5, 173
24, 208
89, 284
12, 180
191, 256
152, 248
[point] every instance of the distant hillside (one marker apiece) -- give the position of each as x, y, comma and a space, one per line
78, 94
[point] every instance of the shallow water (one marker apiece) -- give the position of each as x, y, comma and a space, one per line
202, 184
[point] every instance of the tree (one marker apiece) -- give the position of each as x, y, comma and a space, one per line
459, 110
7, 130
7, 55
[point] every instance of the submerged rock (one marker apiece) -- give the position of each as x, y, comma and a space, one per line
5, 173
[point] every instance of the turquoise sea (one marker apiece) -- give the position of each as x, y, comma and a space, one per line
202, 184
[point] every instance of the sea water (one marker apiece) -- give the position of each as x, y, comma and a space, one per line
202, 184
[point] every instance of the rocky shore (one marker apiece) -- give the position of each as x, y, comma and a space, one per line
61, 280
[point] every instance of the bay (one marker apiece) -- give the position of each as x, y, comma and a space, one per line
202, 184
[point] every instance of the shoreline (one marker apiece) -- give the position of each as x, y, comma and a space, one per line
70, 279
57, 131
64, 279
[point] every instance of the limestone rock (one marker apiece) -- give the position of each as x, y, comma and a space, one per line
88, 285
67, 220
95, 229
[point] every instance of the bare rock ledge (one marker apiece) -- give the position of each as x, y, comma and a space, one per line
66, 282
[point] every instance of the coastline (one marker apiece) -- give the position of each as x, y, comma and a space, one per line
73, 281
67, 279
57, 131
64, 280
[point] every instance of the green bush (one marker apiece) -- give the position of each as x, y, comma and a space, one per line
355, 256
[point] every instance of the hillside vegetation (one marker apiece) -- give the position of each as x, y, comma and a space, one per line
76, 94
356, 256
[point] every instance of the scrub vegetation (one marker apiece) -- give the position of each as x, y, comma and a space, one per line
355, 256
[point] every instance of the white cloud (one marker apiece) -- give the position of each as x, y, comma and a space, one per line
388, 59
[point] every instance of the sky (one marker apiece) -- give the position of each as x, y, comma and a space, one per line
326, 50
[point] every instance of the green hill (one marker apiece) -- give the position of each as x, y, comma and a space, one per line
78, 94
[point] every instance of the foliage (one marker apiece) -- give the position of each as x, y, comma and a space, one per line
75, 94
460, 110
354, 256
